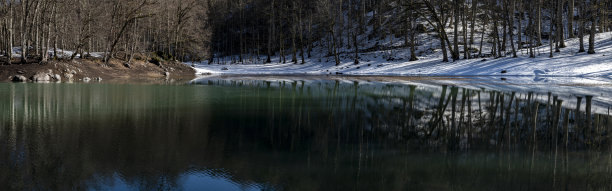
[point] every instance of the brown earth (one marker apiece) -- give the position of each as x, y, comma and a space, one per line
114, 71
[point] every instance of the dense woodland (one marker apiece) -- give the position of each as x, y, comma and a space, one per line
290, 29
172, 28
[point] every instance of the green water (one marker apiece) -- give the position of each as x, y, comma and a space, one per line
257, 134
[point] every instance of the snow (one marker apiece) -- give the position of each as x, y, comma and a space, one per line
61, 53
567, 63
566, 88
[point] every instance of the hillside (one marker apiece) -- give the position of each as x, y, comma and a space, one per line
568, 63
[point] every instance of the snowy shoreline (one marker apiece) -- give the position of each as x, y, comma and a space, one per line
567, 63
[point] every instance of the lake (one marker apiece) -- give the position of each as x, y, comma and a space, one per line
309, 133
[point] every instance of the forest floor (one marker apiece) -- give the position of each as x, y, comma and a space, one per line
96, 70
567, 63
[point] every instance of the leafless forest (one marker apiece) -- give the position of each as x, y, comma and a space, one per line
202, 29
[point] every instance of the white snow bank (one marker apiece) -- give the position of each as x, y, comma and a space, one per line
567, 63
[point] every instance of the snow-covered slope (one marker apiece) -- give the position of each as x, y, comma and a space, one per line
566, 63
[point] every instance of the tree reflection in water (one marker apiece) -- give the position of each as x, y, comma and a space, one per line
300, 135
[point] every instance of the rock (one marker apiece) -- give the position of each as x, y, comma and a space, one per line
19, 78
421, 28
69, 77
20, 72
127, 65
57, 77
41, 77
167, 74
98, 79
224, 68
69, 71
86, 79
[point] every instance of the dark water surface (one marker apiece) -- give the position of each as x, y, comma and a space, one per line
259, 133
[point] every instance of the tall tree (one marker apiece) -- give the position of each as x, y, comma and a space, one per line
570, 18
593, 17
581, 24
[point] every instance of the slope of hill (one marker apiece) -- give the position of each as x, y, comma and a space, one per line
568, 62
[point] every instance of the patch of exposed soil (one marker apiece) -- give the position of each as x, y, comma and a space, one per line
115, 70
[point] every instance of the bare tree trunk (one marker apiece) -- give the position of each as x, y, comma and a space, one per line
270, 32
495, 35
280, 36
36, 25
293, 34
532, 33
413, 32
560, 32
466, 54
241, 24
355, 33
310, 40
473, 20
47, 44
570, 18
581, 24
550, 37
24, 24
512, 4
440, 22
482, 34
593, 27
455, 51
301, 32
520, 25
539, 22
556, 21
10, 31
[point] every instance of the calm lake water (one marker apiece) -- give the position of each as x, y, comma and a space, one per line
308, 133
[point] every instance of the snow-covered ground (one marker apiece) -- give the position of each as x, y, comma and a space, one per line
61, 53
567, 63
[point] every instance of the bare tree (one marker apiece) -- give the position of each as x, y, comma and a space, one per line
593, 17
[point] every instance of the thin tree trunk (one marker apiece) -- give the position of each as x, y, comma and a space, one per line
570, 18
511, 23
270, 32
560, 33
593, 27
455, 51
581, 26
539, 22
24, 24
10, 32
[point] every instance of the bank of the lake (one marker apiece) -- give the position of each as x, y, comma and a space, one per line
94, 70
